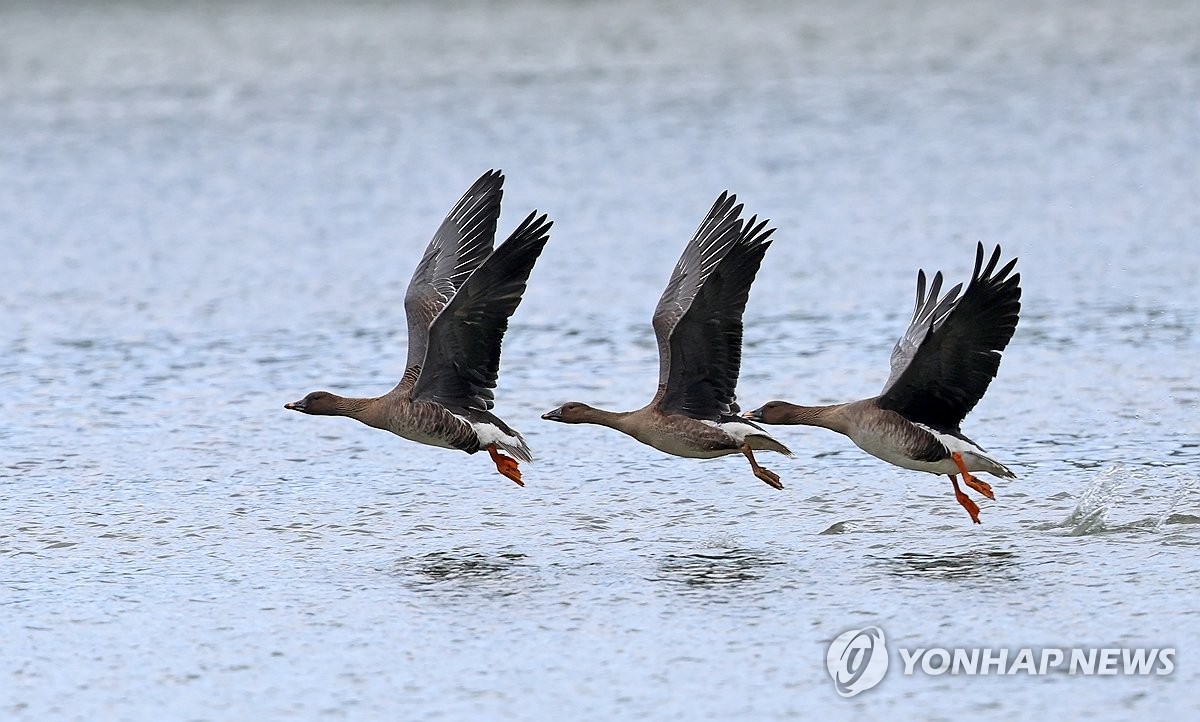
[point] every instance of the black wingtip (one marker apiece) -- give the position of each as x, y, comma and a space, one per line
491, 180
935, 286
1008, 267
988, 273
753, 232
478, 209
725, 207
535, 224
978, 261
719, 231
533, 231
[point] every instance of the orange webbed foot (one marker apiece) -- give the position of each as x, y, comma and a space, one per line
506, 465
769, 476
766, 475
980, 486
971, 507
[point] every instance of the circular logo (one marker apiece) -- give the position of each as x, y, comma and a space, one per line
857, 660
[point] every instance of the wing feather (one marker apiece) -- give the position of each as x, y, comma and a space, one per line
712, 240
706, 342
460, 244
929, 311
463, 360
950, 353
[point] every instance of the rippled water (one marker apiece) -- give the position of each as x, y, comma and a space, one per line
207, 211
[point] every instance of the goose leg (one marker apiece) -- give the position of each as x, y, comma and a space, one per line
971, 507
505, 465
980, 486
765, 474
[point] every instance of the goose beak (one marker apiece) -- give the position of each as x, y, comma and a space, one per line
553, 415
755, 415
295, 405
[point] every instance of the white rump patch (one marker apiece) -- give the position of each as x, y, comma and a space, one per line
736, 430
739, 432
974, 458
492, 434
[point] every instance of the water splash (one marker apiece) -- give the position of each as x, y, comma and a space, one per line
1106, 494
1169, 516
1090, 515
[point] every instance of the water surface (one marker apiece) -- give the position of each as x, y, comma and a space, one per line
209, 211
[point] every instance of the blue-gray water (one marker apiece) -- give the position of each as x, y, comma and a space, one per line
207, 211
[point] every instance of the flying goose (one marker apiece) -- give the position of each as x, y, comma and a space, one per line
698, 323
458, 304
941, 367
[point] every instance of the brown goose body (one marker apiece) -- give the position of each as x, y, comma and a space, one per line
698, 324
458, 305
425, 422
887, 435
675, 434
941, 367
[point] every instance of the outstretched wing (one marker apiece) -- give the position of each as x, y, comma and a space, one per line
698, 321
463, 359
706, 344
930, 312
945, 361
461, 243
713, 239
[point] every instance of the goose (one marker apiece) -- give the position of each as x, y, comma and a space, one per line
940, 369
698, 324
458, 304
